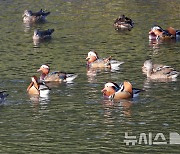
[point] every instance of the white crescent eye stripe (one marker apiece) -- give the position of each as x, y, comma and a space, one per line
109, 84
91, 53
45, 66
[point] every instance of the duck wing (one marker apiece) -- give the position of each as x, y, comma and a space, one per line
46, 32
40, 13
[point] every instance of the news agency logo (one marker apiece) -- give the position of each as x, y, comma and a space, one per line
147, 139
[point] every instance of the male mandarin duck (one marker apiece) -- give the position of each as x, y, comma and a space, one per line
3, 96
54, 76
157, 32
33, 17
124, 91
42, 35
123, 22
36, 88
160, 72
93, 61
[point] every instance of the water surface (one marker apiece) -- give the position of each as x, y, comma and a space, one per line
75, 118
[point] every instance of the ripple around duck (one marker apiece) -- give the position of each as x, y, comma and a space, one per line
75, 118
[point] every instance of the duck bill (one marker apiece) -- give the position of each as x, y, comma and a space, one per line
39, 70
87, 58
152, 35
151, 32
104, 91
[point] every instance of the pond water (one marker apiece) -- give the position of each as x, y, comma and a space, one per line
75, 118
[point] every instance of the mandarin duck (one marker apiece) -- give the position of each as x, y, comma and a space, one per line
36, 88
54, 76
33, 17
93, 61
124, 91
123, 22
162, 72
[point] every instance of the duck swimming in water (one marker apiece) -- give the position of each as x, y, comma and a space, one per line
159, 72
157, 32
93, 61
34, 17
124, 91
42, 35
54, 76
123, 22
156, 67
36, 88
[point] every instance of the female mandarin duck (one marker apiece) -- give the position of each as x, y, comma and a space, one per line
123, 22
30, 17
42, 35
36, 88
163, 72
157, 32
3, 96
54, 76
93, 61
156, 67
124, 91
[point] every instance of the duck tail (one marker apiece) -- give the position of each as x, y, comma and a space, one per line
70, 77
136, 91
115, 64
46, 13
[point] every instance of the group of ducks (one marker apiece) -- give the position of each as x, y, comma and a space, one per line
156, 32
125, 90
111, 90
30, 17
122, 22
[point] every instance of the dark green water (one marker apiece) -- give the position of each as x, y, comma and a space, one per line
75, 118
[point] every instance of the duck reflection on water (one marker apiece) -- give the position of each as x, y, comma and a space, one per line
124, 107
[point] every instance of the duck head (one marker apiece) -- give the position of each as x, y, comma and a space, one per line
27, 13
44, 69
147, 62
110, 88
92, 56
36, 32
149, 67
155, 32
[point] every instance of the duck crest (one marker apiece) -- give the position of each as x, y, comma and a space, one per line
115, 86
